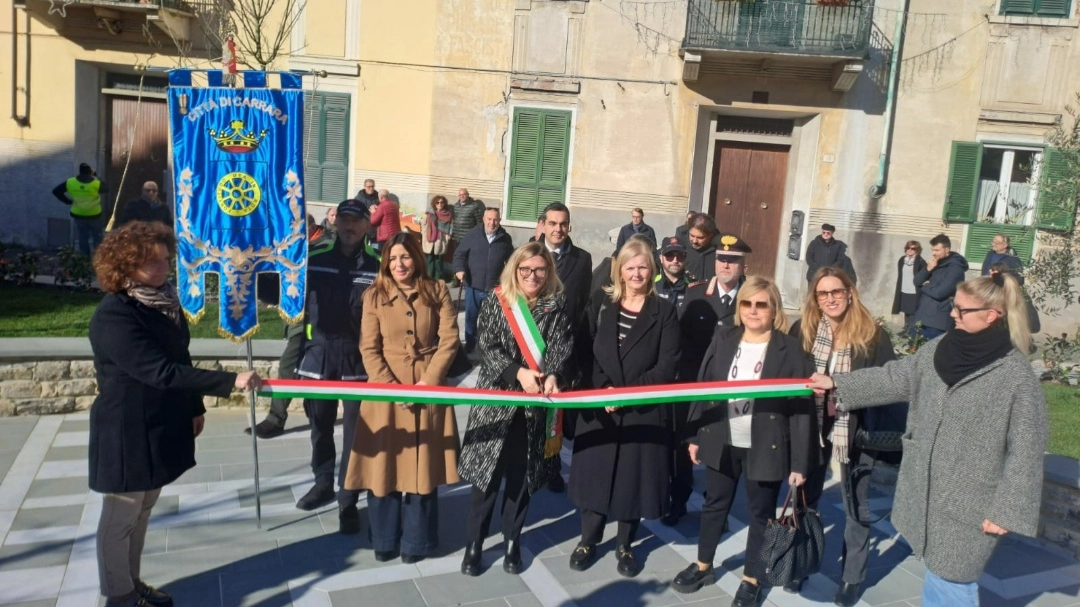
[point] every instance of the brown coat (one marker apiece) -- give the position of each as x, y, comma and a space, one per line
415, 450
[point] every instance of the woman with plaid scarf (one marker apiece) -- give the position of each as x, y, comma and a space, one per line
841, 336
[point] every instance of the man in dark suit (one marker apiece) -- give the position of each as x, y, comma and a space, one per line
637, 225
574, 267
711, 304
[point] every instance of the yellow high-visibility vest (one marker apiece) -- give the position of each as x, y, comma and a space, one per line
85, 197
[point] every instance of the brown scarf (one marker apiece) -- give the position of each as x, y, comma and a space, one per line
822, 350
163, 299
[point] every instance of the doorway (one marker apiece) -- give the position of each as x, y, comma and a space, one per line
748, 197
139, 130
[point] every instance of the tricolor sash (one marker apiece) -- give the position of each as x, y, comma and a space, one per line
533, 347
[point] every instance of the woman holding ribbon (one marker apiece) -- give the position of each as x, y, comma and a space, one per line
622, 455
765, 440
402, 452
839, 333
976, 433
525, 342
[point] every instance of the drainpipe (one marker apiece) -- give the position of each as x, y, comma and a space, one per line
878, 189
23, 120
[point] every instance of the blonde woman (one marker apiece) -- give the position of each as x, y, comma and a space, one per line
767, 440
973, 449
622, 457
508, 442
840, 335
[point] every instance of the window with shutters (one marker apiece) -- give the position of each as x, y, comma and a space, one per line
540, 147
1036, 8
326, 146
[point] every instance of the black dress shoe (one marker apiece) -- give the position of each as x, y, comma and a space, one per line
266, 429
746, 595
692, 579
152, 595
847, 595
583, 557
385, 555
321, 494
349, 520
793, 587
470, 565
409, 559
628, 566
675, 512
556, 484
512, 559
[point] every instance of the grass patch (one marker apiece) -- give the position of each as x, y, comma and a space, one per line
40, 311
1064, 406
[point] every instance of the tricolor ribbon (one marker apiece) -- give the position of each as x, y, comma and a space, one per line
584, 399
533, 348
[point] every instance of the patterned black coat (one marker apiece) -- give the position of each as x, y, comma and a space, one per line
500, 361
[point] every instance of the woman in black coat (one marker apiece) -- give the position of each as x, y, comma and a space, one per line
149, 407
907, 294
840, 335
767, 440
622, 455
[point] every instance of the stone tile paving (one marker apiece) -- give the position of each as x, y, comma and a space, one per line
204, 547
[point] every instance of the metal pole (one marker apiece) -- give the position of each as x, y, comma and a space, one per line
254, 439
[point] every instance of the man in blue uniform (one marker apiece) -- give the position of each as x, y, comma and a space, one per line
338, 275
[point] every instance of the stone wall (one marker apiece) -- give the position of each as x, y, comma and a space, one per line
53, 386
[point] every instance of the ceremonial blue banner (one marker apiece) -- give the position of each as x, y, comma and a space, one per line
238, 175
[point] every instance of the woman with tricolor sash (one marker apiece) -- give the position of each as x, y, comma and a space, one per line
525, 343
765, 441
402, 452
622, 455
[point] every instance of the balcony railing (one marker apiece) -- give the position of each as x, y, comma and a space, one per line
801, 27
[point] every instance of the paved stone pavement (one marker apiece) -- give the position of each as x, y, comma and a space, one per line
203, 545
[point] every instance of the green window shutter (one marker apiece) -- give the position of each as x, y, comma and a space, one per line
326, 146
1056, 208
981, 236
538, 161
1018, 7
1052, 8
962, 190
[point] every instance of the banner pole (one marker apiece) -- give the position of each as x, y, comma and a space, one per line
254, 438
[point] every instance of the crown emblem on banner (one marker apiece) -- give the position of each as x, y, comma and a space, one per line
236, 140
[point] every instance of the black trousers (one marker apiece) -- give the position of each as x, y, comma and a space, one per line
682, 477
856, 490
404, 520
290, 358
720, 487
322, 414
512, 466
592, 529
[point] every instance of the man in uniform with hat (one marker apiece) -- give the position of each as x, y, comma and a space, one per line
711, 303
338, 275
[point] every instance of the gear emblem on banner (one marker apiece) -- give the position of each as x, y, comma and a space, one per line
238, 194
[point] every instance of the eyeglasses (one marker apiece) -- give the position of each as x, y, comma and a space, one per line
746, 304
674, 256
526, 272
961, 311
835, 294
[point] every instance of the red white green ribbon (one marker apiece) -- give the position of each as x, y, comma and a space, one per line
583, 399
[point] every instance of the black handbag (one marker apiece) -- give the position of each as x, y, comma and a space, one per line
794, 543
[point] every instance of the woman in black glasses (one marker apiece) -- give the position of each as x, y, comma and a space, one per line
767, 440
840, 335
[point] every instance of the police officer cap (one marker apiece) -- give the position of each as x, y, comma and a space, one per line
355, 208
671, 244
732, 245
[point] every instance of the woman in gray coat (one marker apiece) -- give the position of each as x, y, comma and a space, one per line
973, 449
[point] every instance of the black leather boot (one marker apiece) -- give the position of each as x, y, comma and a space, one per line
512, 560
470, 565
847, 595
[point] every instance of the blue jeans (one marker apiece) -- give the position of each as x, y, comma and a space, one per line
87, 230
473, 299
404, 520
938, 592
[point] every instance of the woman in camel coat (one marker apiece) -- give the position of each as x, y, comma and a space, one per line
402, 452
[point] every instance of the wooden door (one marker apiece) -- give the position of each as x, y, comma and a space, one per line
748, 186
140, 130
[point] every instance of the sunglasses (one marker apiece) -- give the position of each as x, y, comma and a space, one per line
909, 248
674, 256
835, 294
746, 304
